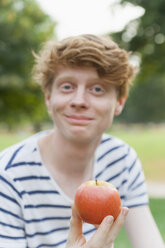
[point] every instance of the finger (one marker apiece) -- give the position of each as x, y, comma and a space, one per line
108, 230
102, 233
119, 222
75, 227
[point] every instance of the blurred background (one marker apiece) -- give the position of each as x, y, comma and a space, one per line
137, 25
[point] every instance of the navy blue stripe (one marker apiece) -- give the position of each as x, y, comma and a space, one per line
110, 164
9, 164
122, 183
138, 205
47, 206
47, 233
4, 180
129, 187
10, 237
39, 192
52, 245
136, 196
47, 219
9, 198
11, 226
109, 151
134, 162
34, 220
31, 178
25, 163
122, 197
138, 185
105, 140
89, 231
117, 175
10, 213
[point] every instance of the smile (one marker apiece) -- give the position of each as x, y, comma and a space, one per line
78, 119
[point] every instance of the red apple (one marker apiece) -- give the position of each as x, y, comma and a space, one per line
95, 199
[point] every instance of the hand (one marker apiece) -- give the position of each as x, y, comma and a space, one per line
103, 237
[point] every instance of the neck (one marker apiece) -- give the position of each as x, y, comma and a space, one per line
67, 161
68, 157
78, 156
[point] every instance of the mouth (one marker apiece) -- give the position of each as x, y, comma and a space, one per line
78, 119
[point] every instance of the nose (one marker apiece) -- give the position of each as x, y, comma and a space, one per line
79, 99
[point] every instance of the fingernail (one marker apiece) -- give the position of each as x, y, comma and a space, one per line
109, 219
125, 211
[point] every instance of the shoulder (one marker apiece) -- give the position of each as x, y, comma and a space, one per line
118, 163
112, 140
114, 151
113, 144
19, 152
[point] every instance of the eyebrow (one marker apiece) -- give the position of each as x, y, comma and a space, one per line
75, 78
68, 77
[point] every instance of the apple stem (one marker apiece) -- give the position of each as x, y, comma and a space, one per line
96, 182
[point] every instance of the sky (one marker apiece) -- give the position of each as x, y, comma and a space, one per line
76, 17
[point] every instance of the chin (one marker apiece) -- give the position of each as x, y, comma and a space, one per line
84, 138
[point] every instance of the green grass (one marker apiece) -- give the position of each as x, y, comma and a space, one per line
149, 145
7, 139
157, 208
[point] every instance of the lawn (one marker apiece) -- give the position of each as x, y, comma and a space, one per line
149, 143
157, 208
10, 138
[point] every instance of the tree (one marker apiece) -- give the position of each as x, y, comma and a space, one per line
146, 38
23, 28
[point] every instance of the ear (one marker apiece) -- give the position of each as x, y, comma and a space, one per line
120, 105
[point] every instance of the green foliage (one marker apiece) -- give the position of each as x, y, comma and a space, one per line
23, 28
146, 38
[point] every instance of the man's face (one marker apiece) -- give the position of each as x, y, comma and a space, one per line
81, 104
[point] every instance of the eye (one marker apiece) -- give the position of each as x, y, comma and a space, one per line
66, 87
97, 89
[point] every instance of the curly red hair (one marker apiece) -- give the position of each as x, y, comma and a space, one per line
101, 52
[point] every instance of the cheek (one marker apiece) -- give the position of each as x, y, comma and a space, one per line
56, 102
58, 106
108, 115
109, 118
52, 106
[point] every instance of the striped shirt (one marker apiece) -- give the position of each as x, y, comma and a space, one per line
35, 212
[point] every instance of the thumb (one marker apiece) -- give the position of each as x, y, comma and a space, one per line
75, 232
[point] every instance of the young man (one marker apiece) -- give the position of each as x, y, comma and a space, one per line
86, 81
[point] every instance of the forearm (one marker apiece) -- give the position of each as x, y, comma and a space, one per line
142, 230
